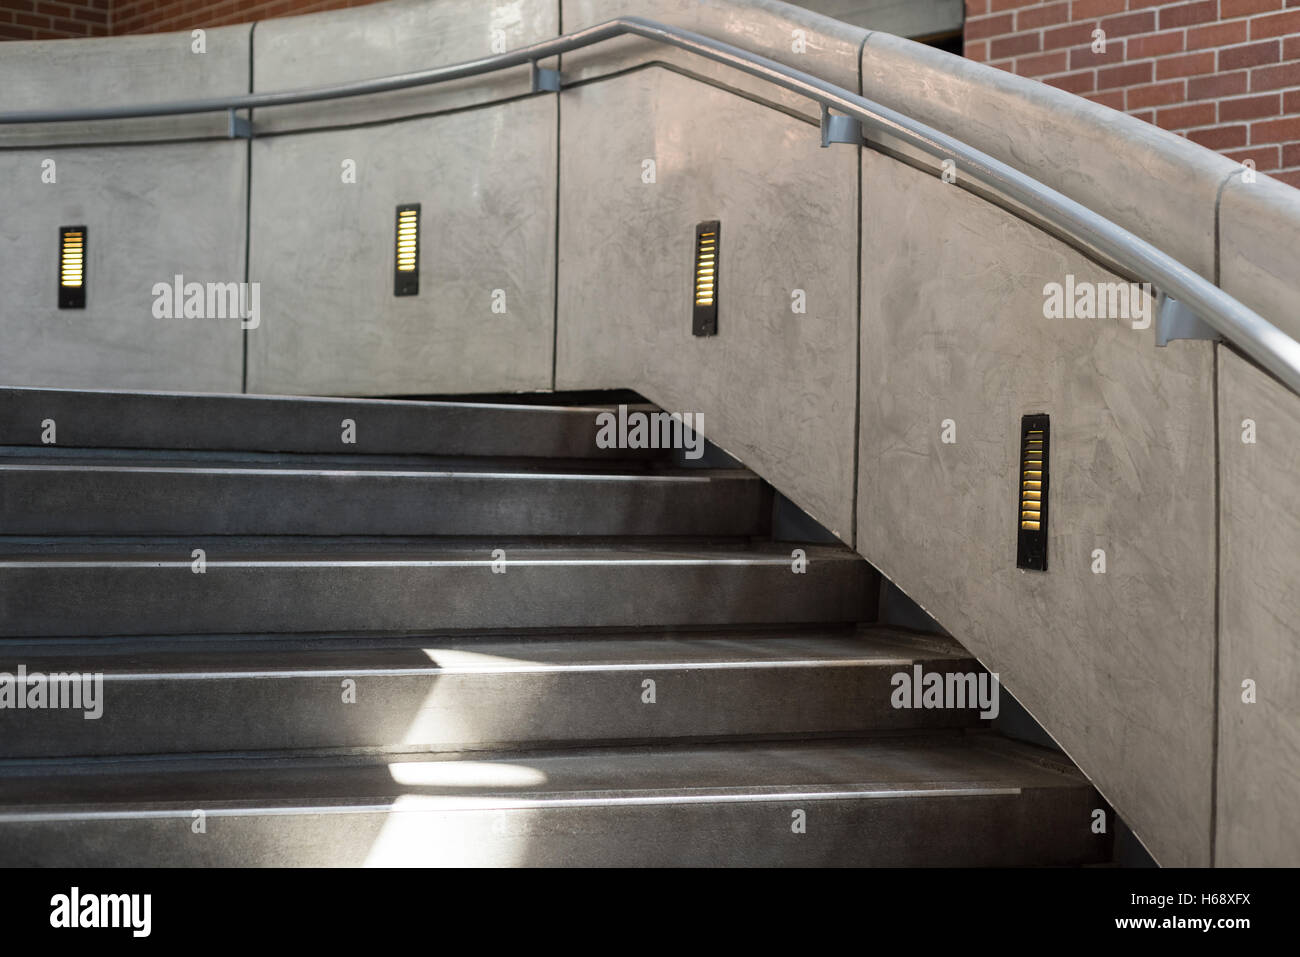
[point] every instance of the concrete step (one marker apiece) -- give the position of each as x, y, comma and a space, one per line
170, 696
76, 588
914, 800
169, 420
154, 499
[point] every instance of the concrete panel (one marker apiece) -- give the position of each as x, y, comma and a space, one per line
323, 251
1117, 666
776, 388
906, 18
1259, 248
405, 36
1259, 614
114, 71
792, 35
151, 213
1155, 184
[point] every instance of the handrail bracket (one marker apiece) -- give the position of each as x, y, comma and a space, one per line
837, 128
545, 80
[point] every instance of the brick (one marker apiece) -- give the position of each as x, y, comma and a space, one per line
1155, 44
979, 50
1264, 157
1291, 177
1275, 131
1035, 18
1043, 64
32, 20
1004, 65
1275, 77
1219, 137
975, 8
1146, 116
1275, 25
1129, 24
1014, 46
1009, 4
1157, 94
989, 27
1083, 57
1230, 9
1213, 87
1250, 107
1218, 35
1291, 155
1187, 14
1291, 101
1120, 77
1070, 35
1114, 99
1291, 48
1082, 82
1092, 9
1251, 54
1189, 64
1186, 117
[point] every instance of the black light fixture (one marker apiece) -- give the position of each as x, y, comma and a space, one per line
704, 318
1035, 442
406, 273
72, 267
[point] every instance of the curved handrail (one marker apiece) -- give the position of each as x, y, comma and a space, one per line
1252, 333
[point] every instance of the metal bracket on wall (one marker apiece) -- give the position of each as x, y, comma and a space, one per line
240, 128
1176, 321
839, 129
545, 80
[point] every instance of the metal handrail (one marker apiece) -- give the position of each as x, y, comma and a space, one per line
1252, 333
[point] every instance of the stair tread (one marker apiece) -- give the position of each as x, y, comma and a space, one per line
875, 648
930, 765
249, 551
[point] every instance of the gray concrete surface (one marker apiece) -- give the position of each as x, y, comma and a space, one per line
402, 36
481, 692
1259, 609
1117, 666
790, 35
775, 387
323, 250
151, 213
111, 71
929, 801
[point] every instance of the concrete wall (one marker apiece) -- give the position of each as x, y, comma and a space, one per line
1117, 666
322, 249
1259, 521
776, 387
840, 406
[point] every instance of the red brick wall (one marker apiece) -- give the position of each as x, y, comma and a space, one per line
44, 20
61, 19
157, 16
1224, 73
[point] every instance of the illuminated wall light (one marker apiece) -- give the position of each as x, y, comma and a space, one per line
72, 267
406, 273
1031, 543
704, 317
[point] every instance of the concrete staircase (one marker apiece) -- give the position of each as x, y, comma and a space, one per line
469, 636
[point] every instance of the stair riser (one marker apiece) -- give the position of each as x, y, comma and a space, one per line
1033, 827
99, 598
261, 424
109, 502
452, 712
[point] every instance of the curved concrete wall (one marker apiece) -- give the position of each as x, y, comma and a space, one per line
923, 304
